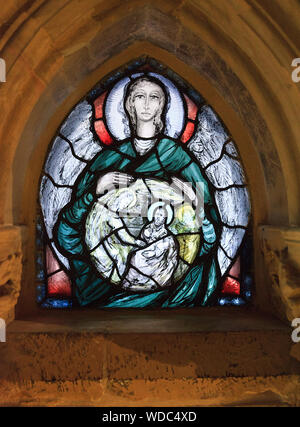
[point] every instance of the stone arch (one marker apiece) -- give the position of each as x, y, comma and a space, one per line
54, 55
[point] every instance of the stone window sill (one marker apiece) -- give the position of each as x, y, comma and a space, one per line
129, 321
112, 345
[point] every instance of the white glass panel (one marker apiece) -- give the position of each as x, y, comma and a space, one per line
52, 200
231, 149
61, 165
231, 238
234, 206
224, 261
225, 172
60, 257
77, 129
209, 138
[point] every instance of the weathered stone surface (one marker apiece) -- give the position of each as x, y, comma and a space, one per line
52, 357
51, 393
79, 64
162, 29
197, 355
280, 248
42, 57
76, 346
295, 349
242, 50
10, 270
120, 35
248, 391
73, 364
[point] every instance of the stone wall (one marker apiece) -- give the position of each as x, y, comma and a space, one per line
64, 52
10, 270
238, 54
231, 53
280, 249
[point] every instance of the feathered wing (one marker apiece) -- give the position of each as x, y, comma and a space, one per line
218, 156
72, 148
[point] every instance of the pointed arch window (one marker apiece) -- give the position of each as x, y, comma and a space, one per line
143, 200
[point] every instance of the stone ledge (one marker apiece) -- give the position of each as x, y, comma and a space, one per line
114, 345
248, 391
125, 321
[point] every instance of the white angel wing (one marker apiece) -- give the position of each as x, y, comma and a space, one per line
70, 151
218, 156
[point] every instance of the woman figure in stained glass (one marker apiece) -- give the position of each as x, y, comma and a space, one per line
147, 154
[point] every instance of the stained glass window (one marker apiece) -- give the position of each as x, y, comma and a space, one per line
143, 200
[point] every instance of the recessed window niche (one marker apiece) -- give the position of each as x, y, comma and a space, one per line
143, 200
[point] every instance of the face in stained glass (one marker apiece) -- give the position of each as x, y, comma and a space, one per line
143, 200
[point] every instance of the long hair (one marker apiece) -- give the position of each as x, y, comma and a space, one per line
159, 119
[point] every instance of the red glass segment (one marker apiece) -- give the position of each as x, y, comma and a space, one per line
59, 284
231, 286
188, 132
98, 104
192, 108
102, 132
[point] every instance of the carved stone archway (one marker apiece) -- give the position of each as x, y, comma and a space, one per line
51, 66
236, 53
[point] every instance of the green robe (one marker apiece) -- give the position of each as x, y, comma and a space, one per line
165, 160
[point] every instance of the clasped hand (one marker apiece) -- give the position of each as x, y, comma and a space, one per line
112, 180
